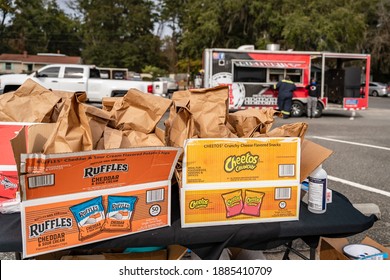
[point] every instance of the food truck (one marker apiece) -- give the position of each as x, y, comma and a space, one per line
251, 75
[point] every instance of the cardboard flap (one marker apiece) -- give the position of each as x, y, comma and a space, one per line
312, 155
176, 252
332, 248
37, 136
173, 252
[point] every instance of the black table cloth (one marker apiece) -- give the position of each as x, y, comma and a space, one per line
340, 220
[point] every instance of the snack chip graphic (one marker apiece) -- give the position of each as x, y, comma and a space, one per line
233, 203
8, 185
119, 212
252, 203
89, 216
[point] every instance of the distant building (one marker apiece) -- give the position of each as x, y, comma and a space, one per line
26, 63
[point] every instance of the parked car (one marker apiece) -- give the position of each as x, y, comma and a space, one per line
378, 89
172, 84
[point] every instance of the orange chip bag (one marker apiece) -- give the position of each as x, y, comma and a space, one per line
89, 216
233, 203
252, 203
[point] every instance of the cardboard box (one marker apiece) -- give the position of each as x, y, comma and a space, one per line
264, 187
9, 180
332, 248
233, 161
237, 181
74, 199
171, 252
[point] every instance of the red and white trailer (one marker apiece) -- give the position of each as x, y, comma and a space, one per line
251, 74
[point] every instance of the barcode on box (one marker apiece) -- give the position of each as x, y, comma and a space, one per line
41, 181
286, 170
282, 193
155, 195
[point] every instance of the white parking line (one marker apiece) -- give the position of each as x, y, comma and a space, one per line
352, 143
350, 183
359, 186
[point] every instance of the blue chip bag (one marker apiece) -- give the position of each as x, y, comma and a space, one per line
119, 212
89, 216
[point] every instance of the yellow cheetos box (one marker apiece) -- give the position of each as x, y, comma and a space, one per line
239, 181
240, 205
241, 160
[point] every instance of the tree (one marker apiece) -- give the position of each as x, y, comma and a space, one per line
40, 26
119, 33
378, 41
6, 8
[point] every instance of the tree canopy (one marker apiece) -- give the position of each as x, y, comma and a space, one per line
172, 34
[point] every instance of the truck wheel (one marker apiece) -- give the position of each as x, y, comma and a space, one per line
318, 112
118, 93
297, 109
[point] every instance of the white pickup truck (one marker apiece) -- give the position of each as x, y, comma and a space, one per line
75, 77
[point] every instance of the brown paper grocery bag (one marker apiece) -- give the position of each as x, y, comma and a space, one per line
31, 102
132, 138
72, 132
108, 102
287, 130
139, 111
198, 113
115, 139
81, 97
179, 125
209, 110
112, 139
246, 122
97, 120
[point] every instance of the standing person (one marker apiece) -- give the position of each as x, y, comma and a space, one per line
285, 94
312, 98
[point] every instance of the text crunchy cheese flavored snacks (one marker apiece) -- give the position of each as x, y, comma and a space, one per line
233, 203
119, 212
252, 203
89, 216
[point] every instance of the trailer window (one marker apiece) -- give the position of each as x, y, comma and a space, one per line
249, 75
295, 75
275, 75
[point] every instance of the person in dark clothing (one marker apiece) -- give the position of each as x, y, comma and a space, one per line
285, 94
312, 98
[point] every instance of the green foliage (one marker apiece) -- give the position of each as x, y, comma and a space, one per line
121, 33
40, 26
154, 71
189, 66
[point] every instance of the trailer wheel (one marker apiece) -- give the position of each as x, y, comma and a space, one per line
318, 112
297, 109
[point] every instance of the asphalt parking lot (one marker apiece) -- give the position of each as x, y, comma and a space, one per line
358, 167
